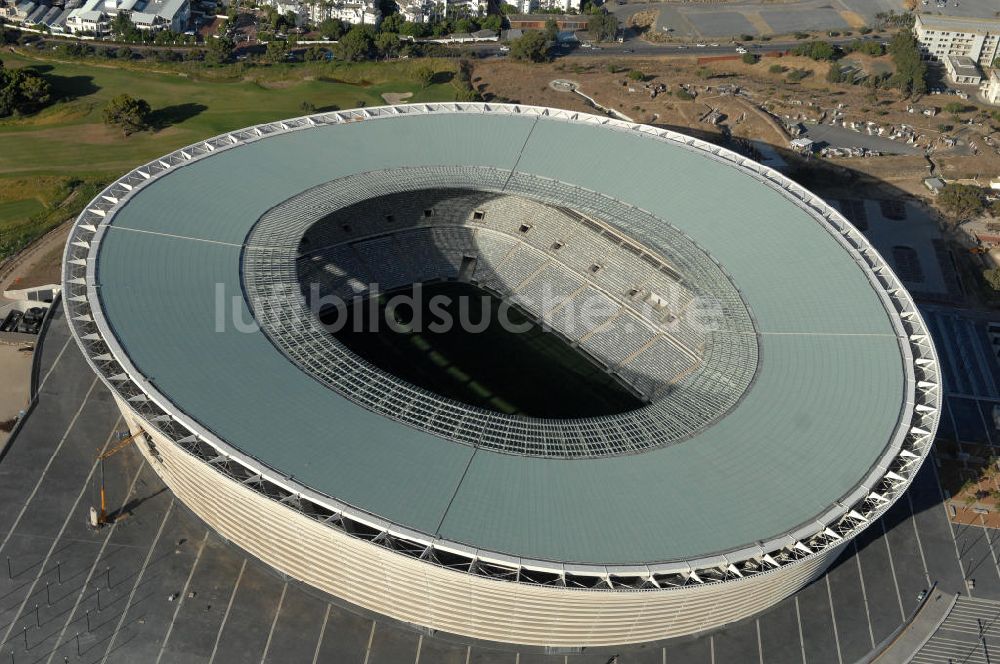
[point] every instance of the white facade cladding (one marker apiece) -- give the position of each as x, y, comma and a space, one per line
456, 587
975, 38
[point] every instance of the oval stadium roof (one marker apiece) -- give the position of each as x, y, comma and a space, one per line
830, 403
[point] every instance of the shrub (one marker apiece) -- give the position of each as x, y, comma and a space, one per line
956, 107
962, 201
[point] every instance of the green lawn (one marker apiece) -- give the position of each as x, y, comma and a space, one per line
69, 142
15, 211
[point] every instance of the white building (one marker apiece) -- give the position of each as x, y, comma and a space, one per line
417, 11
992, 92
962, 70
456, 8
355, 13
975, 38
95, 15
561, 5
91, 17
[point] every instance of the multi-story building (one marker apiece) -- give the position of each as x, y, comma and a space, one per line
975, 38
561, 5
992, 92
529, 6
95, 15
355, 12
417, 11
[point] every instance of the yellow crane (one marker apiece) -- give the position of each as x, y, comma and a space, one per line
99, 519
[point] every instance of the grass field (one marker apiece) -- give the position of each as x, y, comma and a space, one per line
47, 157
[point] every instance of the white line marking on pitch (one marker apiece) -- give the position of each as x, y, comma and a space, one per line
180, 600
225, 616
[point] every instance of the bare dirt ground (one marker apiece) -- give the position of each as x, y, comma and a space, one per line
39, 264
393, 98
754, 100
15, 368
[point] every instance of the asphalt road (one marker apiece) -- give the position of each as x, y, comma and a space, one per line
637, 47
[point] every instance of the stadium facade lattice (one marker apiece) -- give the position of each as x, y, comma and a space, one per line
789, 388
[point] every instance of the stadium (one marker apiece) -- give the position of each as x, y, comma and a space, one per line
721, 385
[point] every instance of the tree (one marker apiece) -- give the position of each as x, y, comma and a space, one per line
493, 22
314, 52
750, 58
387, 44
533, 47
995, 209
776, 69
424, 75
22, 91
955, 107
911, 70
835, 74
127, 112
602, 27
331, 28
277, 50
817, 50
465, 25
123, 29
220, 50
636, 75
551, 30
415, 30
962, 201
866, 46
392, 23
357, 44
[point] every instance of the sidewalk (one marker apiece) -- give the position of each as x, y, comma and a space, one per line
918, 630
